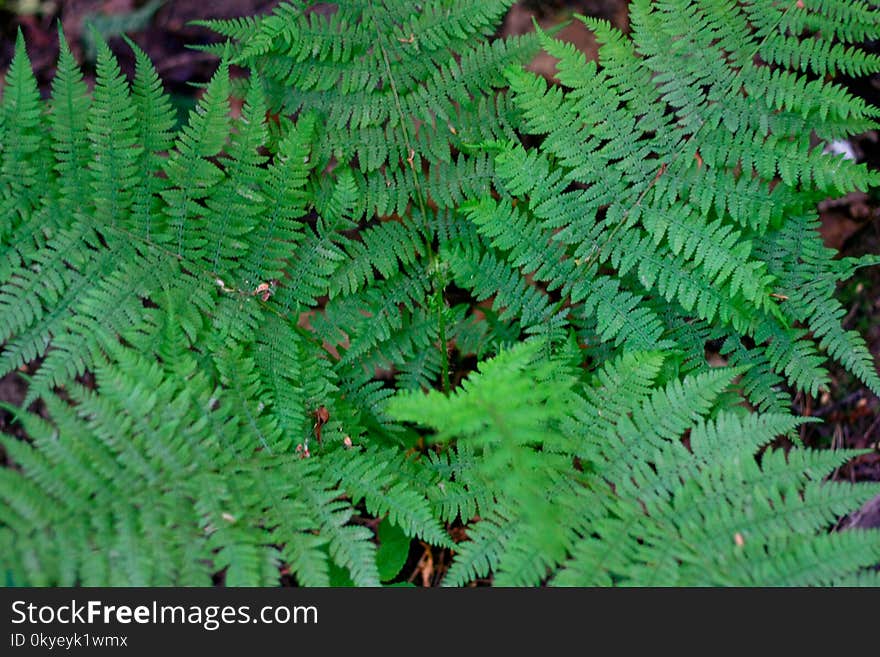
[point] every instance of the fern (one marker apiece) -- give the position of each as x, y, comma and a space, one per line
618, 498
663, 225
413, 286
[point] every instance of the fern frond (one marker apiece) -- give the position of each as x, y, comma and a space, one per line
23, 146
154, 121
190, 172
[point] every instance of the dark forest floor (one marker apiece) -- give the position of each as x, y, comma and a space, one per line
851, 413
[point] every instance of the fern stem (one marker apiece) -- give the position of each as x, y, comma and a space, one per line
444, 350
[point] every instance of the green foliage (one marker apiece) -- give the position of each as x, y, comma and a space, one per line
401, 87
252, 336
393, 550
595, 486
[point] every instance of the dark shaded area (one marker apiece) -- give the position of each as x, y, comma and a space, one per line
165, 36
